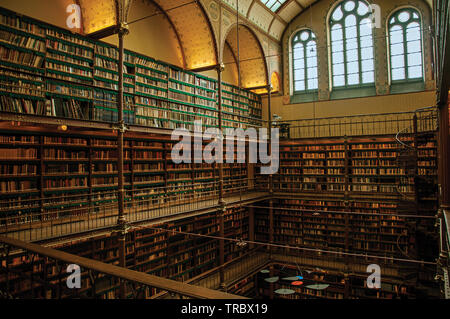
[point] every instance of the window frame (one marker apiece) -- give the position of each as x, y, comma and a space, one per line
404, 25
312, 37
330, 24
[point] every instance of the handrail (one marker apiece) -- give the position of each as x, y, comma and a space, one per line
358, 115
122, 273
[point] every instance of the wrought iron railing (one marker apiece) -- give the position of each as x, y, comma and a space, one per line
68, 215
358, 125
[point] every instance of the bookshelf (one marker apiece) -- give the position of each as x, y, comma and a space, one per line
158, 251
319, 180
71, 76
48, 174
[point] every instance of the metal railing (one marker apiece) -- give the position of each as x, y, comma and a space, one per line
359, 125
68, 215
30, 271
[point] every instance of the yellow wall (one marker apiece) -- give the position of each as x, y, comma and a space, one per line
368, 105
50, 11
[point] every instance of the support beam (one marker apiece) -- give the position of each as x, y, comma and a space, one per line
221, 202
121, 221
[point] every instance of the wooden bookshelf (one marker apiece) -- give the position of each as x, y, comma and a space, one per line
158, 251
47, 174
71, 76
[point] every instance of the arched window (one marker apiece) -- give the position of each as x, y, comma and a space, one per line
405, 45
352, 44
305, 74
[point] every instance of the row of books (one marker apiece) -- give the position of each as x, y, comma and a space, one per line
19, 57
65, 168
15, 139
65, 183
65, 108
20, 24
16, 186
22, 87
66, 36
107, 64
24, 169
149, 63
58, 56
74, 51
69, 90
18, 153
22, 41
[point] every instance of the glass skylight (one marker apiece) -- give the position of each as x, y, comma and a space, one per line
273, 5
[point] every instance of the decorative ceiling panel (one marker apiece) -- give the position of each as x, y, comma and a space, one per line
288, 12
276, 29
251, 57
306, 3
260, 16
98, 14
243, 5
194, 31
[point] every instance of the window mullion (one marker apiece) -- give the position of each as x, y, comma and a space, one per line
305, 74
358, 41
405, 50
344, 38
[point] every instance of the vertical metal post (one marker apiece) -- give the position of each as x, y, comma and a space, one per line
238, 45
271, 222
222, 207
121, 221
251, 226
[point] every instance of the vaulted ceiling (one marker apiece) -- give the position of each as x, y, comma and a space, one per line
197, 27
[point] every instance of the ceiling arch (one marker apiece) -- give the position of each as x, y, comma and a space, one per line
97, 15
194, 30
187, 18
273, 23
249, 52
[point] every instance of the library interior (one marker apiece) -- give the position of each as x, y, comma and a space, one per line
136, 137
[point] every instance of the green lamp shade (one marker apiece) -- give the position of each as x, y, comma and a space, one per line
272, 279
284, 291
